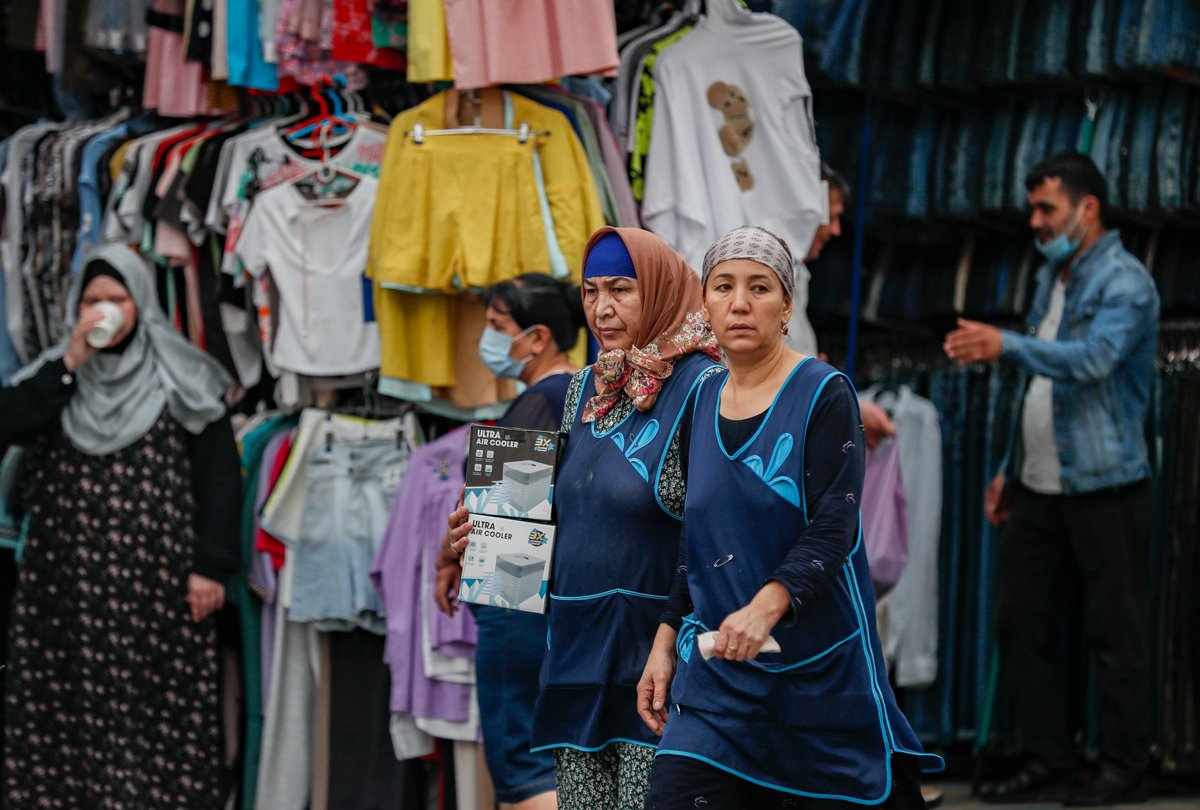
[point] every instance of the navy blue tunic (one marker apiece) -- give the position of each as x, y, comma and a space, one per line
613, 565
819, 718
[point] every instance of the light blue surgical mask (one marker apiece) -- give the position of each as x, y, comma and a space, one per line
494, 348
1060, 247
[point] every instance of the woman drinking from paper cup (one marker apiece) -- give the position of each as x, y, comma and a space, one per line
113, 695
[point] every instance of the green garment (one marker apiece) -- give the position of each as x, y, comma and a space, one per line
645, 115
249, 606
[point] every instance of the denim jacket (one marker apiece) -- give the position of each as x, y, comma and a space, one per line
1102, 365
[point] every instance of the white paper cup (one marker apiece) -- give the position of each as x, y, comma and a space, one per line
101, 335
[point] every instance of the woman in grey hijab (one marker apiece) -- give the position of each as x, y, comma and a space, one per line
132, 498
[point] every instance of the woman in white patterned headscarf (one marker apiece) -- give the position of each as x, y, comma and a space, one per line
766, 680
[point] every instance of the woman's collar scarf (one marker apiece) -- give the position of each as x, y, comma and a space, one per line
672, 326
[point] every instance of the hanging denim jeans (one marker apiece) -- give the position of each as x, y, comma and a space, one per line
879, 39
1118, 152
1129, 32
347, 499
1169, 161
939, 191
814, 19
907, 32
1163, 38
843, 55
1067, 121
1190, 153
927, 62
1053, 57
920, 160
965, 155
1031, 148
1021, 47
1141, 147
992, 44
1103, 24
958, 54
1182, 33
1102, 134
996, 156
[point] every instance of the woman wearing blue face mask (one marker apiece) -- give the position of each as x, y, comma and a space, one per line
532, 322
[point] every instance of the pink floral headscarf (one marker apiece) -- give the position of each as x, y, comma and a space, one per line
672, 326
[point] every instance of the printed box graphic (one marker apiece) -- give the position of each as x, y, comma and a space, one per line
528, 483
507, 564
518, 577
511, 472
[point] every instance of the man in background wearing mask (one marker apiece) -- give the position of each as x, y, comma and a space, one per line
1075, 493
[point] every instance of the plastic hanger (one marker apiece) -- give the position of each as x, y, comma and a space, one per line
306, 127
320, 186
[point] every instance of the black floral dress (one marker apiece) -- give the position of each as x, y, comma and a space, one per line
112, 697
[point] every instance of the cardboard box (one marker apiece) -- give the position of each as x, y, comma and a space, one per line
511, 472
507, 564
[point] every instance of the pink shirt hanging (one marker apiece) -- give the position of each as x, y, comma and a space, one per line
174, 87
530, 41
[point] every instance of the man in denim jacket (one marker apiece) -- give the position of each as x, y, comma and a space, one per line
1074, 492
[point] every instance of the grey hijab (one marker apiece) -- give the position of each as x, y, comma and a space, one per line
120, 396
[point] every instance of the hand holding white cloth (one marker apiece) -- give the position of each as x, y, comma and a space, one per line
706, 641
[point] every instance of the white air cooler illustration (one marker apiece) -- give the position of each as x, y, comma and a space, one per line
527, 483
518, 577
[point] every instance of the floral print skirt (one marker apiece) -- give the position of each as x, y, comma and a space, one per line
613, 778
112, 697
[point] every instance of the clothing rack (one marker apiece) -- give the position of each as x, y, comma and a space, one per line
975, 406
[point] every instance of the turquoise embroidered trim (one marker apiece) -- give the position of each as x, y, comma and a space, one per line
643, 438
783, 485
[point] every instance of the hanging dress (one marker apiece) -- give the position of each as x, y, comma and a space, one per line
612, 569
819, 718
112, 696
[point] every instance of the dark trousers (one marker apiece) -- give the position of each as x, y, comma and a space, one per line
1055, 546
682, 783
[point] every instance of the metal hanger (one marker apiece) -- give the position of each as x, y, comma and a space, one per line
418, 133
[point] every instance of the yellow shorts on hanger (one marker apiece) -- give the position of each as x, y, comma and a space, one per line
466, 215
418, 334
434, 340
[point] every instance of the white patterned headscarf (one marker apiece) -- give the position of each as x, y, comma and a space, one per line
758, 245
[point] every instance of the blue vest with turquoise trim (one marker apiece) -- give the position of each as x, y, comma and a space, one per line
614, 560
818, 718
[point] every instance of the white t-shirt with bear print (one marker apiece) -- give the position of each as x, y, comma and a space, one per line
733, 141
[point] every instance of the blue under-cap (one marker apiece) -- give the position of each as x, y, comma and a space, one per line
609, 257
